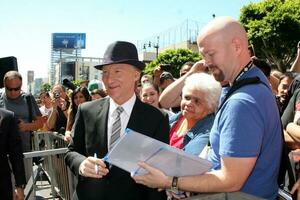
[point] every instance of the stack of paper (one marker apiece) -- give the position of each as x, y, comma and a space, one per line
133, 147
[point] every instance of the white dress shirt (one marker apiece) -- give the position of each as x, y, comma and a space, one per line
125, 115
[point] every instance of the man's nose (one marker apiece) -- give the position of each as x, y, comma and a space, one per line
207, 62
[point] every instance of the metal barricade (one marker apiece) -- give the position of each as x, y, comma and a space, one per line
225, 196
51, 146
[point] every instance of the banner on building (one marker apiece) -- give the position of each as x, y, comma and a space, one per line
68, 40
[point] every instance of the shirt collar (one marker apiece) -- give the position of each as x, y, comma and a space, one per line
127, 106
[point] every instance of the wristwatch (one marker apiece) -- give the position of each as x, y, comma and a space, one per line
174, 186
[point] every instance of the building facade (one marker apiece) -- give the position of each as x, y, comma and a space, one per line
64, 45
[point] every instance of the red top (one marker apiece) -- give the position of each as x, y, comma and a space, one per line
175, 140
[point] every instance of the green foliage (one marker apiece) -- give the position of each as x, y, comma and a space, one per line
273, 27
175, 57
46, 87
77, 82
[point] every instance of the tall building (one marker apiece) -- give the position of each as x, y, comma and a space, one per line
30, 79
78, 68
64, 45
30, 76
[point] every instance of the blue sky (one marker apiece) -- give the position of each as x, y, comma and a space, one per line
26, 25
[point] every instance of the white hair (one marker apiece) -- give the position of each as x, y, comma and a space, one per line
206, 84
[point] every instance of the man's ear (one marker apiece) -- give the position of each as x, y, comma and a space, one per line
137, 75
237, 45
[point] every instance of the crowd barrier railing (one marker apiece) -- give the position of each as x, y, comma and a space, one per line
51, 148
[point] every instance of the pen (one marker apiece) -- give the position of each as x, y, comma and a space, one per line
96, 165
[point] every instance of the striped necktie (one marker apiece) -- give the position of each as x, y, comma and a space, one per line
116, 128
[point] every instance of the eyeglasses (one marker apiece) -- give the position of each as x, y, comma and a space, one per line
13, 89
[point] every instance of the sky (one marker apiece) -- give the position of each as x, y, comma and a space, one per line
26, 25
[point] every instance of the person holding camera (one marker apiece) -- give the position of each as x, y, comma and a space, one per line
57, 120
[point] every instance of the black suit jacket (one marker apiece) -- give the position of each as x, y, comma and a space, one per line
90, 136
10, 148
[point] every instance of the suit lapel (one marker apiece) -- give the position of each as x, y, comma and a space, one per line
136, 113
101, 125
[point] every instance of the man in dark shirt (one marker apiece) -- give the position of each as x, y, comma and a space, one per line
10, 149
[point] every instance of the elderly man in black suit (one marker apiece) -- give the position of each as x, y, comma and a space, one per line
100, 123
10, 149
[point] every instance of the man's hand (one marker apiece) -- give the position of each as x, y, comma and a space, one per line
67, 137
157, 71
22, 125
19, 194
154, 179
198, 67
93, 167
296, 187
178, 194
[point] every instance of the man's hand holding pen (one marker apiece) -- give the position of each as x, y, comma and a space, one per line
93, 167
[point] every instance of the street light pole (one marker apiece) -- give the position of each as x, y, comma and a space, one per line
152, 44
156, 46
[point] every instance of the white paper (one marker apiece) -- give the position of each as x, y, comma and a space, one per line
133, 147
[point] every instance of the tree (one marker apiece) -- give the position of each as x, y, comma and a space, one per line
273, 27
46, 87
77, 82
175, 58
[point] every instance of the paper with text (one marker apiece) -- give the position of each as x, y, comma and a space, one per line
133, 147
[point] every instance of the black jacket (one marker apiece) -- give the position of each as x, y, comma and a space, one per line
90, 136
10, 149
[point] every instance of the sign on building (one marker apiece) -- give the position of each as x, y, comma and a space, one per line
68, 40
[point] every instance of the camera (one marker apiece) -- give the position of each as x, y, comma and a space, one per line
69, 84
56, 95
165, 67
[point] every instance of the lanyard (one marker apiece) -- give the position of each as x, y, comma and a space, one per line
246, 68
237, 83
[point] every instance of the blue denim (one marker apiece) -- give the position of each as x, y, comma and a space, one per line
198, 136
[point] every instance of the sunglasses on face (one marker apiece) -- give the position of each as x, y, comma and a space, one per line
13, 89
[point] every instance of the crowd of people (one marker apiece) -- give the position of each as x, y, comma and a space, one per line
229, 108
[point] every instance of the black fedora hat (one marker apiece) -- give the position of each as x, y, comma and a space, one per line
121, 52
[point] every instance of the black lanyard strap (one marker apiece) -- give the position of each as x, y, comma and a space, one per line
238, 84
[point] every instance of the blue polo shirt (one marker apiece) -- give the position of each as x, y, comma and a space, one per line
248, 125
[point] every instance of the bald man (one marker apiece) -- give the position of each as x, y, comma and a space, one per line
246, 134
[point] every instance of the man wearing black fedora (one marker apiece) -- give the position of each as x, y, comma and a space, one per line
99, 124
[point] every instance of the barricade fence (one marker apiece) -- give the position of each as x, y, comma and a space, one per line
48, 151
52, 148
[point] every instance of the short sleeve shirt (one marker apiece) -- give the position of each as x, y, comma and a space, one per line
20, 108
248, 125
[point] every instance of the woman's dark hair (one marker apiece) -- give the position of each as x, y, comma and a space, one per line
44, 92
262, 65
74, 108
101, 92
151, 85
86, 95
